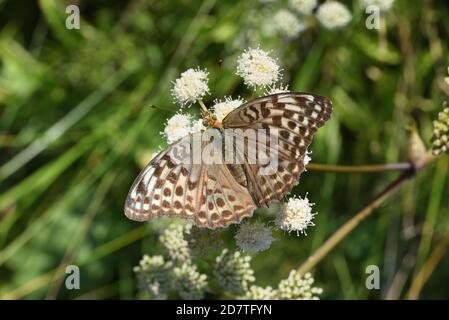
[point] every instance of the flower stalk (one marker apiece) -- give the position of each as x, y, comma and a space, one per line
353, 222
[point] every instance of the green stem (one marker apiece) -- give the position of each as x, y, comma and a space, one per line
353, 222
360, 168
203, 106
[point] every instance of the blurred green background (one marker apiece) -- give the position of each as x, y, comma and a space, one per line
75, 130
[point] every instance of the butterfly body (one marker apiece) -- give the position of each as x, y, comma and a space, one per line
216, 191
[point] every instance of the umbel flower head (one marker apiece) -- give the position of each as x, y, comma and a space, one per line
297, 287
333, 15
440, 139
177, 127
189, 283
190, 86
253, 237
260, 293
257, 68
175, 246
304, 7
153, 275
383, 5
287, 24
296, 215
222, 108
233, 271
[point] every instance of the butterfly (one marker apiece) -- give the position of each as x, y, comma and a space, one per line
216, 195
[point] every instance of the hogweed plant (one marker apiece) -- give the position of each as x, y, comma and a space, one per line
195, 263
262, 74
287, 22
175, 274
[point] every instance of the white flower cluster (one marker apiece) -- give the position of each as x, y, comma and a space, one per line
440, 138
292, 21
259, 293
175, 246
303, 7
189, 284
191, 86
257, 68
383, 5
174, 274
288, 24
333, 15
162, 277
153, 274
233, 271
177, 127
253, 237
296, 215
221, 108
180, 125
297, 287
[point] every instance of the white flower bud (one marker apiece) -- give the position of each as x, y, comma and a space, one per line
333, 15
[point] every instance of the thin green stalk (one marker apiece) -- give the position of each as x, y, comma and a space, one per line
353, 222
360, 168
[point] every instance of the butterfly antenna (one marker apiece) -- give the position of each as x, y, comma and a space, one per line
219, 65
153, 106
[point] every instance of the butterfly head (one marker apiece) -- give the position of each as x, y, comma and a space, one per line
210, 121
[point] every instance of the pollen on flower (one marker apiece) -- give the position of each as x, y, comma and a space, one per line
257, 68
287, 24
296, 215
253, 237
190, 86
304, 7
177, 127
383, 5
222, 108
333, 15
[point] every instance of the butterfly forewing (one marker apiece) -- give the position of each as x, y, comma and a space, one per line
207, 194
218, 194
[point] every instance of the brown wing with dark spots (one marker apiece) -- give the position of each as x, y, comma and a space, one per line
293, 118
206, 194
